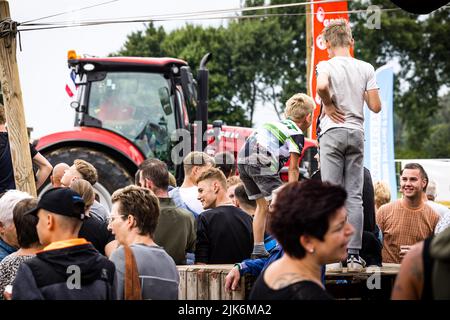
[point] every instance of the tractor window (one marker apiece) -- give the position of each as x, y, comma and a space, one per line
137, 106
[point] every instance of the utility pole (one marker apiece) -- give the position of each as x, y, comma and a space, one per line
12, 98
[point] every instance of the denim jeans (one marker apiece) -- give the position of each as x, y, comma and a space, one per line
341, 163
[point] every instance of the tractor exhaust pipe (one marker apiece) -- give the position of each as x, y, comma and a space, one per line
202, 106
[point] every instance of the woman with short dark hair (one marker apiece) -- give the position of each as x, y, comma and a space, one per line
27, 238
309, 221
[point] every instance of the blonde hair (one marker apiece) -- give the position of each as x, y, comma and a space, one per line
382, 193
172, 180
85, 190
87, 171
233, 180
338, 33
299, 106
214, 174
196, 158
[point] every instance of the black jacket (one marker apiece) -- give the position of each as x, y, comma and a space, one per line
72, 273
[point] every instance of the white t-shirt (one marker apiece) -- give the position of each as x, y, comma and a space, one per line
189, 197
349, 78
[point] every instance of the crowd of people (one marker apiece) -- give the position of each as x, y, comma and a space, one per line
67, 245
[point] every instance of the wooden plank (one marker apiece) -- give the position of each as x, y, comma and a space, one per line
215, 284
207, 282
388, 269
15, 115
191, 284
182, 286
202, 284
223, 294
239, 294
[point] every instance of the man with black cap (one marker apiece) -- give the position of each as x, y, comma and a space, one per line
68, 268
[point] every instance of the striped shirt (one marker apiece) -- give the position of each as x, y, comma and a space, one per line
404, 226
280, 139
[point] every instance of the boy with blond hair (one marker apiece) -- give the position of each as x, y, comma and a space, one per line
264, 154
81, 169
343, 83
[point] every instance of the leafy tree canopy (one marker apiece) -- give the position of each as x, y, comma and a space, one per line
263, 60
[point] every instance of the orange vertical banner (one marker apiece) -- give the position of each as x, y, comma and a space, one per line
322, 14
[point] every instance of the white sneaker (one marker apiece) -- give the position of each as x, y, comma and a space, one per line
355, 264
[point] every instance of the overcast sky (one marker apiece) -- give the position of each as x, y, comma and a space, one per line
43, 60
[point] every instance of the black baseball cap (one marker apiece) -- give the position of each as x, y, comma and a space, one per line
63, 201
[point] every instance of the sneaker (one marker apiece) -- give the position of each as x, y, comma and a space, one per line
254, 256
259, 255
334, 267
259, 251
355, 264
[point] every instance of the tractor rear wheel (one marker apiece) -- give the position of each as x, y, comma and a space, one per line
112, 175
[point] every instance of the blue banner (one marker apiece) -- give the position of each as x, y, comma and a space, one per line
379, 133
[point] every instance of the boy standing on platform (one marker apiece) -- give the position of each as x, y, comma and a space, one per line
343, 84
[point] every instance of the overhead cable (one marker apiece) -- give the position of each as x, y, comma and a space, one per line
104, 22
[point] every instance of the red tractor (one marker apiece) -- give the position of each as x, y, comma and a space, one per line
129, 109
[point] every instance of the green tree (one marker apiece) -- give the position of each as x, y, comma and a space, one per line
416, 44
279, 61
190, 43
144, 43
262, 60
254, 60
437, 145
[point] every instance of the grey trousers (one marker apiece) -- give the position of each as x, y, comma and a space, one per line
341, 162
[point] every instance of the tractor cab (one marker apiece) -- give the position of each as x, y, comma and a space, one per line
135, 105
140, 99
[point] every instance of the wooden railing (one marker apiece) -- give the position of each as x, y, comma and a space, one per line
207, 282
